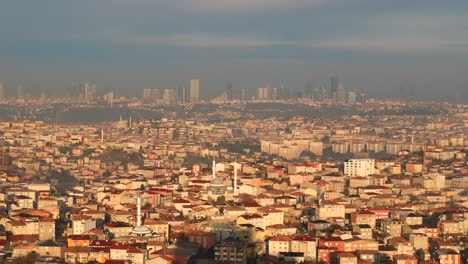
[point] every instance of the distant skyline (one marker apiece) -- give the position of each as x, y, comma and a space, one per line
397, 48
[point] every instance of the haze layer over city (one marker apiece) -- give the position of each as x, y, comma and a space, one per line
229, 132
392, 49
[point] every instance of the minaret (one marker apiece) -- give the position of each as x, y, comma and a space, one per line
214, 169
138, 210
102, 135
130, 122
140, 229
235, 177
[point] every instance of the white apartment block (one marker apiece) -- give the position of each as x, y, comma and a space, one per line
359, 167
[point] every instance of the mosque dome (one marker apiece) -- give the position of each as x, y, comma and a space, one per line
141, 230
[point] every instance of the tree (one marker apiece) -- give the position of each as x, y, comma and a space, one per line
107, 218
106, 174
28, 259
190, 160
240, 146
65, 149
221, 199
64, 180
119, 155
413, 199
334, 227
326, 139
308, 154
87, 152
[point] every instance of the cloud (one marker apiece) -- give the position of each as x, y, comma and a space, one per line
257, 5
248, 4
388, 31
200, 41
404, 33
366, 43
387, 45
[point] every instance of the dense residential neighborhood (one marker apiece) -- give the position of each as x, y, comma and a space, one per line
354, 189
234, 132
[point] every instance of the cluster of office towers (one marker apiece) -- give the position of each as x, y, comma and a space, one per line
19, 92
180, 94
331, 90
334, 90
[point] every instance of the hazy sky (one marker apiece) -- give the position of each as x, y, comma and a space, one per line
388, 47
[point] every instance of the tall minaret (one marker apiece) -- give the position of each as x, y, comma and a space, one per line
214, 169
102, 135
138, 210
130, 122
139, 229
235, 177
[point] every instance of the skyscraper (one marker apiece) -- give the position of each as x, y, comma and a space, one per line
243, 94
91, 91
84, 95
274, 94
352, 97
333, 87
184, 96
169, 96
156, 94
109, 98
263, 93
229, 90
19, 91
308, 91
146, 94
340, 93
2, 91
181, 93
194, 91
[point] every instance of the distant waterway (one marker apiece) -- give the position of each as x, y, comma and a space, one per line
100, 115
66, 114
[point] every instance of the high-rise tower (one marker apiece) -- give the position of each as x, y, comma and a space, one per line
19, 91
243, 94
340, 93
2, 91
229, 90
333, 87
194, 91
